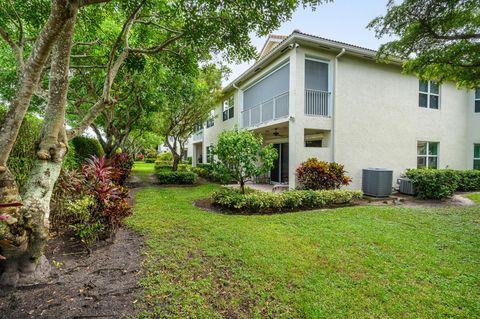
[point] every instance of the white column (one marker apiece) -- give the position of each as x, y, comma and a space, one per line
296, 104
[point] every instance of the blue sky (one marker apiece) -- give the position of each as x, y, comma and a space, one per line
341, 20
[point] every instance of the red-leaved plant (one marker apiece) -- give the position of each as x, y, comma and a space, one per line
121, 164
314, 174
110, 199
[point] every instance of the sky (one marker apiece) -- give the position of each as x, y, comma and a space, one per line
341, 20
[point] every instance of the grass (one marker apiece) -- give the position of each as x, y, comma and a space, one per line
356, 262
142, 168
475, 197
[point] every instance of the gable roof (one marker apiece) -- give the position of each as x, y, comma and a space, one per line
298, 37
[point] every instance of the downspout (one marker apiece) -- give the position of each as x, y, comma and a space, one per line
238, 108
334, 118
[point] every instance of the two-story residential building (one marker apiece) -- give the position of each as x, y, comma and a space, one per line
314, 97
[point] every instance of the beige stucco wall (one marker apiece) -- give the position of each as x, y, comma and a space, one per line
377, 121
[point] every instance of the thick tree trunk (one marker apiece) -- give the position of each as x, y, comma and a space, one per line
26, 263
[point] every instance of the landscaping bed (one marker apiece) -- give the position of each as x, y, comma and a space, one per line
100, 284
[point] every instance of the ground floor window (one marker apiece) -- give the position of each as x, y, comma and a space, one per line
209, 154
476, 156
427, 154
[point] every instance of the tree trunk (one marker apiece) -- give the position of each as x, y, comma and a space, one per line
176, 161
26, 265
242, 186
27, 238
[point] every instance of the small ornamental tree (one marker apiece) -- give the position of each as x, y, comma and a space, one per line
314, 174
241, 155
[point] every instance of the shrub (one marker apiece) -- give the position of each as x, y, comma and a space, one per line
23, 153
314, 174
149, 160
111, 206
166, 176
122, 164
166, 157
89, 201
434, 183
469, 180
85, 148
257, 202
139, 157
208, 172
151, 153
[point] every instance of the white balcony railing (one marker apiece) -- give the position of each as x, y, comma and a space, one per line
197, 136
317, 103
272, 109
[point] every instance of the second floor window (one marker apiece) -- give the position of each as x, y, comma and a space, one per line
211, 119
228, 108
427, 155
429, 94
477, 100
476, 156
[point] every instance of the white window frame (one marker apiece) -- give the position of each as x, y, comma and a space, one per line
427, 155
429, 94
475, 158
476, 98
211, 119
227, 105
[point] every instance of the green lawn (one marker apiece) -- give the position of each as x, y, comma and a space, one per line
142, 168
475, 197
357, 262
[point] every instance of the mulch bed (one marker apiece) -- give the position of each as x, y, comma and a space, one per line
102, 283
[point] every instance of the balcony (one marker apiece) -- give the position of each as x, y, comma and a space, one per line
317, 103
270, 110
197, 136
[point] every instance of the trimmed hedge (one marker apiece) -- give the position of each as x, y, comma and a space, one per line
469, 180
160, 165
258, 202
85, 147
166, 176
443, 183
434, 183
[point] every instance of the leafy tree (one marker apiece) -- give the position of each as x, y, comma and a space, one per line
189, 100
55, 47
439, 39
241, 155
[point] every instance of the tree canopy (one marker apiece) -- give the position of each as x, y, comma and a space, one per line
439, 39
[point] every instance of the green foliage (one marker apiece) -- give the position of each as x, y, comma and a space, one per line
469, 180
241, 155
352, 262
314, 174
208, 172
434, 183
149, 160
70, 161
151, 153
85, 147
258, 202
166, 157
437, 38
167, 176
23, 154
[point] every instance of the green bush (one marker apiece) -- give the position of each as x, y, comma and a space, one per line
209, 173
469, 180
85, 147
23, 153
166, 176
149, 160
257, 202
166, 157
434, 183
151, 153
